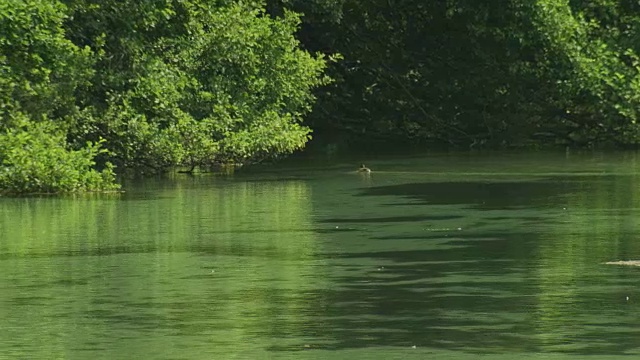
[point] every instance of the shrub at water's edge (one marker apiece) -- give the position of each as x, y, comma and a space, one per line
34, 158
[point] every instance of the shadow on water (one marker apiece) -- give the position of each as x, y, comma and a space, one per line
522, 275
483, 194
479, 294
433, 298
391, 219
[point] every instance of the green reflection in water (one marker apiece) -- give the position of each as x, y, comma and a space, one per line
188, 271
583, 304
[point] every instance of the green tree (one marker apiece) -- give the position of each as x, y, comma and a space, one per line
462, 72
40, 70
592, 54
193, 83
40, 73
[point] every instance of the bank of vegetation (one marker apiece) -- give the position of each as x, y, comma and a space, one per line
93, 88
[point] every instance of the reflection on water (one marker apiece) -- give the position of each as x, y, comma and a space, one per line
449, 256
181, 273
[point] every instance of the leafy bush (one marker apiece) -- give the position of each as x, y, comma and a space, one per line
35, 159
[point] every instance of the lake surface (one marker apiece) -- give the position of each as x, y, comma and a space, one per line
495, 256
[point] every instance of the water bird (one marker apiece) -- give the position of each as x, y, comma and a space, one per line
364, 169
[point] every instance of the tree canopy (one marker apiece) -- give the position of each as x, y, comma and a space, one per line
150, 85
476, 73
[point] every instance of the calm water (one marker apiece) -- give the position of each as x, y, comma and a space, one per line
446, 257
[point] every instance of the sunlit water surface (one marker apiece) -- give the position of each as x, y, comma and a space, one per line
448, 256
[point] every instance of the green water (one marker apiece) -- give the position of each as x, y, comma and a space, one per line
449, 256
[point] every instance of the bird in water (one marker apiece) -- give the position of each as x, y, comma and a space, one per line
364, 169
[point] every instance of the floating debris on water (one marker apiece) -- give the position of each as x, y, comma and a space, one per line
624, 262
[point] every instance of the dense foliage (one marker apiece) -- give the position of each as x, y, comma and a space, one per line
40, 72
35, 159
146, 86
472, 73
187, 83
156, 84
